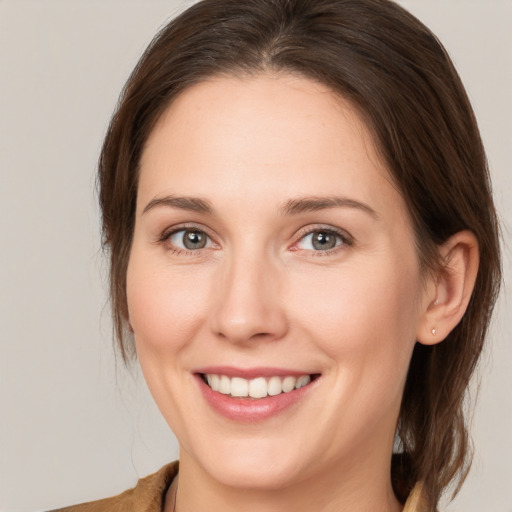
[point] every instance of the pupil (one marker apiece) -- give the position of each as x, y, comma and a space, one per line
324, 241
194, 240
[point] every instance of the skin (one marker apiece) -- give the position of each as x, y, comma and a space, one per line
260, 294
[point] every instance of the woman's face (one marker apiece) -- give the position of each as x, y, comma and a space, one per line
272, 251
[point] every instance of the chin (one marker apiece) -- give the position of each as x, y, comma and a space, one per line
254, 465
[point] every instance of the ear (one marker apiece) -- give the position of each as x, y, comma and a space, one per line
452, 288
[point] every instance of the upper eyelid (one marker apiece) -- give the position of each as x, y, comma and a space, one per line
299, 234
165, 239
346, 238
166, 233
184, 230
307, 230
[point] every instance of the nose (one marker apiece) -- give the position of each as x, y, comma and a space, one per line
248, 302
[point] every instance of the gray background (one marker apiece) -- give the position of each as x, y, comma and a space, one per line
74, 425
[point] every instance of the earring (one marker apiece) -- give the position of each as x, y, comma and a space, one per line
434, 332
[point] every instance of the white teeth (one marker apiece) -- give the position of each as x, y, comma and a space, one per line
213, 382
239, 387
225, 385
302, 381
289, 384
274, 386
259, 387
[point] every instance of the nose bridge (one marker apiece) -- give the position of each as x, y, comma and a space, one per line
248, 303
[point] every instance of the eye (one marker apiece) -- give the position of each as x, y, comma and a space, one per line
321, 240
189, 239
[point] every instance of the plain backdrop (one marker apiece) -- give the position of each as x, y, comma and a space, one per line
74, 424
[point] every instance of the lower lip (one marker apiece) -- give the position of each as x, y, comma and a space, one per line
250, 409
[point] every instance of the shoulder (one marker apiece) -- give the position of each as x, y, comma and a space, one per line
147, 496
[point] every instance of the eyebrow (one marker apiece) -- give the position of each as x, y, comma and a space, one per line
313, 203
184, 203
294, 206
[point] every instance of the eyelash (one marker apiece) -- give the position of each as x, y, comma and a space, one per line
165, 237
346, 239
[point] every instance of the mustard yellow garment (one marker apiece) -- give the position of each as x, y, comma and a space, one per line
149, 495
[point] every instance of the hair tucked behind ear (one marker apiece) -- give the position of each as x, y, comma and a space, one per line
395, 71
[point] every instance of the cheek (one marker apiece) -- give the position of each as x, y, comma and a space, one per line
364, 320
364, 316
166, 306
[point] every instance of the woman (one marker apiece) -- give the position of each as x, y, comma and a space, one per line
304, 250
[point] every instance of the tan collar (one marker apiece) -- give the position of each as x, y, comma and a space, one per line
416, 502
149, 495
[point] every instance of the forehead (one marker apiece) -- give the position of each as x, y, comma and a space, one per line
239, 136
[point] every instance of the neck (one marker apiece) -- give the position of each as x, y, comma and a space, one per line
351, 489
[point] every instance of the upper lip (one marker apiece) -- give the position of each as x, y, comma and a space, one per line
252, 373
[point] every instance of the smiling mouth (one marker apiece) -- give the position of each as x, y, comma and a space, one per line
260, 387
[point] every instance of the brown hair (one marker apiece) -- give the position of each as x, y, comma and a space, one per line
395, 71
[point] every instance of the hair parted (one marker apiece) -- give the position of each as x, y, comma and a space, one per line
395, 71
